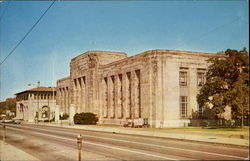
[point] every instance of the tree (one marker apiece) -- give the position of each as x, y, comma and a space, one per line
227, 84
2, 107
11, 104
8, 104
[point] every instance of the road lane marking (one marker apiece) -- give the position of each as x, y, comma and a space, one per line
159, 146
96, 144
60, 129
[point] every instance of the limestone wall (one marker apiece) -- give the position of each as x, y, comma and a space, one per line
63, 94
147, 85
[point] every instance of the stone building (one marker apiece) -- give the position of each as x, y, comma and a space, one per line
159, 85
36, 103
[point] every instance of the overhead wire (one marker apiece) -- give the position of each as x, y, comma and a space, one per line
33, 26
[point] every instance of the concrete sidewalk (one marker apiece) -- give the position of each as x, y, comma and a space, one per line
11, 153
240, 140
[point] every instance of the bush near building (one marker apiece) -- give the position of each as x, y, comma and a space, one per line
85, 118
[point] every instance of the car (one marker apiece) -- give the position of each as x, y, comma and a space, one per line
17, 121
8, 121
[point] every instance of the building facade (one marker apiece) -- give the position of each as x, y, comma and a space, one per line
159, 85
37, 104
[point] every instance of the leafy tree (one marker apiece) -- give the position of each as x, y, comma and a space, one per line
8, 104
227, 84
11, 104
2, 107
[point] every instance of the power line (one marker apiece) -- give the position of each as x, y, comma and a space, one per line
12, 51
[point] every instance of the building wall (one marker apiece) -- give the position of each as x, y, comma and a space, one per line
29, 104
63, 94
147, 85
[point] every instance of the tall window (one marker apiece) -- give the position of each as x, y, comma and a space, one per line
183, 106
183, 78
201, 109
200, 78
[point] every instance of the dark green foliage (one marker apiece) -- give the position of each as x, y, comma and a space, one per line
85, 118
9, 104
227, 84
65, 116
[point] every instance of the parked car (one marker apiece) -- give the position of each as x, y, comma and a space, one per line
17, 121
8, 121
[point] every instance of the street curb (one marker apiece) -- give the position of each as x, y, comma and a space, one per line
143, 135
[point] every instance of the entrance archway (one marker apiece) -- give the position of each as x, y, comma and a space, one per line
45, 112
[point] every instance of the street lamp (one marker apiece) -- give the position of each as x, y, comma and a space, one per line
37, 111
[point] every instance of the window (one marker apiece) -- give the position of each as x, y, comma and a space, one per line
183, 106
183, 78
200, 79
201, 109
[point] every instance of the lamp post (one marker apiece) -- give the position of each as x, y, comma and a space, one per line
242, 115
53, 99
37, 111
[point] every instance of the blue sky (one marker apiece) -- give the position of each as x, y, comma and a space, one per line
74, 27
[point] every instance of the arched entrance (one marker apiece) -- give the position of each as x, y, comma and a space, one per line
45, 112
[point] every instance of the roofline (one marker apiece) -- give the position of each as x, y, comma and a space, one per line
99, 52
165, 51
31, 90
65, 78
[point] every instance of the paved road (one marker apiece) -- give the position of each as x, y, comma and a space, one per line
55, 143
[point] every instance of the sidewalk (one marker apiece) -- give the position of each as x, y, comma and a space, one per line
11, 153
232, 139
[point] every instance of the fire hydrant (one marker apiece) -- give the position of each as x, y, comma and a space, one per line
79, 146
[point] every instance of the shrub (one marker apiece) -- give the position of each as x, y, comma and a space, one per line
64, 116
85, 118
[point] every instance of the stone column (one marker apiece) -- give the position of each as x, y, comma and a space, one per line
72, 112
133, 98
83, 95
63, 100
74, 92
67, 99
128, 94
119, 96
137, 94
111, 96
124, 94
79, 92
77, 96
58, 97
57, 113
105, 97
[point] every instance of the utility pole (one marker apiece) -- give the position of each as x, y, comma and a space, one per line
37, 111
53, 98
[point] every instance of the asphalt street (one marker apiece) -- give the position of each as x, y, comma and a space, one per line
55, 143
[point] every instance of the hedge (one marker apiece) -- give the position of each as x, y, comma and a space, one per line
85, 118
